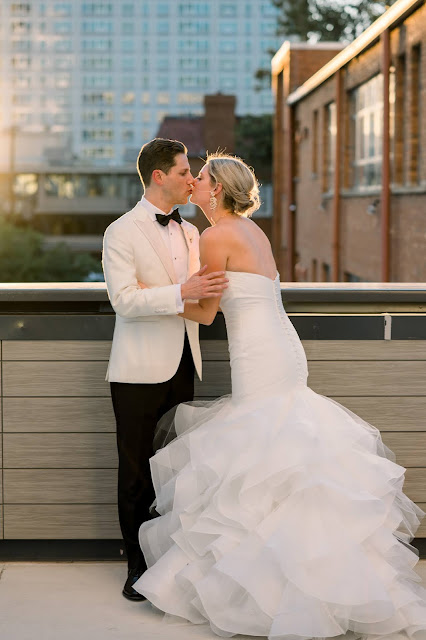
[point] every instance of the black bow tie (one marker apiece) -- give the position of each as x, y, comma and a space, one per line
164, 220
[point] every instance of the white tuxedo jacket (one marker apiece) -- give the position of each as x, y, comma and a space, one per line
148, 337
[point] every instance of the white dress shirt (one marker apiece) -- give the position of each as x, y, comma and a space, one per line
173, 238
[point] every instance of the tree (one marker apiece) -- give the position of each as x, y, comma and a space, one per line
322, 20
23, 259
327, 20
253, 143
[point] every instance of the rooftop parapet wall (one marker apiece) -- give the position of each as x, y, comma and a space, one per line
366, 348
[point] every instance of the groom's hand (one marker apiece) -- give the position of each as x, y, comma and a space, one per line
200, 286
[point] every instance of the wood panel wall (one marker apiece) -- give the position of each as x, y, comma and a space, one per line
59, 461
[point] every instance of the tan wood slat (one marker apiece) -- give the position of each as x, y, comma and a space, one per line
362, 378
415, 484
56, 349
1, 522
58, 414
389, 413
55, 379
216, 380
61, 486
409, 448
60, 450
365, 349
64, 521
421, 531
214, 350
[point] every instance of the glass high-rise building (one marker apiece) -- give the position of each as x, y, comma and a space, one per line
104, 74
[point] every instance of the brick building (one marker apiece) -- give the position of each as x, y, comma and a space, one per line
350, 173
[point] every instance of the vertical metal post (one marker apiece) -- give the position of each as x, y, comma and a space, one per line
385, 204
336, 186
291, 208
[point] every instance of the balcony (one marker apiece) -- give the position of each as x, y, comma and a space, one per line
366, 346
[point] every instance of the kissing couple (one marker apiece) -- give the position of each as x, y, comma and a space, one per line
280, 513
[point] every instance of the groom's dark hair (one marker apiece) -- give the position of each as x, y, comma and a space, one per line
160, 154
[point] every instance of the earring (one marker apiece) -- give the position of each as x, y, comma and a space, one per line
213, 201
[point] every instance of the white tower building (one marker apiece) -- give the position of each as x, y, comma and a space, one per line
98, 77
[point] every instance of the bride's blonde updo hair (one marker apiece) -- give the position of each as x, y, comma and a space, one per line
239, 184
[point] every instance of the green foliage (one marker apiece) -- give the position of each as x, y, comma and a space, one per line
23, 259
322, 20
253, 143
327, 20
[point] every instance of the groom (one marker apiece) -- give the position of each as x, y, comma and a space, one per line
154, 350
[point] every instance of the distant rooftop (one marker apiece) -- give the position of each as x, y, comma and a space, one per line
187, 129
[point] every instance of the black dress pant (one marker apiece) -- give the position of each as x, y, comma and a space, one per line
137, 408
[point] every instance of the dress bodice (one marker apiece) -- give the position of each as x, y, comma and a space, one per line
265, 350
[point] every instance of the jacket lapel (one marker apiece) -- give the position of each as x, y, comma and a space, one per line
149, 228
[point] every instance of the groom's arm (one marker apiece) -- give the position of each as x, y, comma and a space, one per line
127, 299
214, 253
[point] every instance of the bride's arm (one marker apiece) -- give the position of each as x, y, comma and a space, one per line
213, 253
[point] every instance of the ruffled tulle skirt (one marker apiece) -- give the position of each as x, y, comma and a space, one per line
282, 516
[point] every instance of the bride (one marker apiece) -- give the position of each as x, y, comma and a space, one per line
281, 512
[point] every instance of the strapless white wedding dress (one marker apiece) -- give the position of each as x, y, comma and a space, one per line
282, 513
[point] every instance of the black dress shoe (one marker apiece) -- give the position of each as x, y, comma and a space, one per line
128, 591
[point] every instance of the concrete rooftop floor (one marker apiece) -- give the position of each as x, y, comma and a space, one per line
83, 601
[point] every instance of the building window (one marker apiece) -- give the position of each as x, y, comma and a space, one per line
98, 81
20, 8
127, 28
368, 124
162, 27
162, 46
398, 102
97, 9
228, 28
128, 45
162, 9
329, 146
228, 10
127, 10
21, 27
21, 62
62, 46
97, 44
98, 26
62, 9
315, 142
106, 97
228, 65
228, 84
98, 63
98, 116
194, 27
163, 97
21, 46
189, 98
227, 46
414, 160
194, 9
193, 64
62, 27
98, 134
193, 46
128, 63
162, 83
